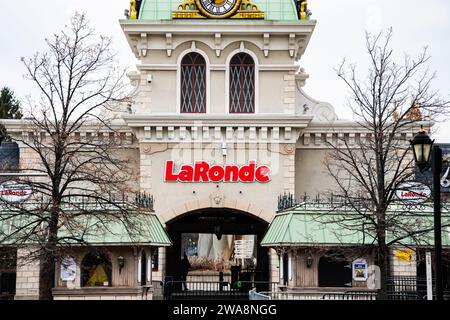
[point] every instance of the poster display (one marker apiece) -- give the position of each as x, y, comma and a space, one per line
360, 270
68, 269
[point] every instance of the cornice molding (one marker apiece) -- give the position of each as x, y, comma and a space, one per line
217, 120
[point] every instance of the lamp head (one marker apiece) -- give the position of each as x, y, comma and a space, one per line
422, 146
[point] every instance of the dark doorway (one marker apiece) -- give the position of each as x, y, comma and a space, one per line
8, 267
143, 268
285, 269
334, 271
217, 223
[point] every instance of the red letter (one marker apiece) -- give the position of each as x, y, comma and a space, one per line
216, 173
262, 174
169, 176
186, 173
247, 173
231, 174
201, 171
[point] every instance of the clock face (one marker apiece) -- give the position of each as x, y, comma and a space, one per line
218, 8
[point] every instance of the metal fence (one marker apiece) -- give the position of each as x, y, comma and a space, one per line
411, 288
353, 295
399, 288
214, 290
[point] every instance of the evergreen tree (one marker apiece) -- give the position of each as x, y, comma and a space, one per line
9, 105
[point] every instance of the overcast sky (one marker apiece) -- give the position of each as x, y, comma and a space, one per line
339, 33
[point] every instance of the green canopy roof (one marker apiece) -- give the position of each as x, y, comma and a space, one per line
275, 10
139, 228
307, 226
147, 229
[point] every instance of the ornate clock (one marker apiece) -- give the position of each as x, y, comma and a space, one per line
216, 9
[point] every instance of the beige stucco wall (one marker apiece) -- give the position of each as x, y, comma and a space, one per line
175, 198
275, 91
311, 174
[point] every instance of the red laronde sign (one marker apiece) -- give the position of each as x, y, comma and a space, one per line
202, 171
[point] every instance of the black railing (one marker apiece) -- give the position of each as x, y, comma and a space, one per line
411, 288
352, 295
214, 290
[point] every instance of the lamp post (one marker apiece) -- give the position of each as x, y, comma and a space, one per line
424, 149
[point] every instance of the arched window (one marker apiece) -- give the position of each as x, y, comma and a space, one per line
334, 271
193, 83
96, 270
242, 84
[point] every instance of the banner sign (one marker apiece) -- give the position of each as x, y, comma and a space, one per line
243, 249
427, 176
413, 192
360, 270
14, 191
202, 171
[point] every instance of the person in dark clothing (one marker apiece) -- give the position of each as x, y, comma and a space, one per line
184, 268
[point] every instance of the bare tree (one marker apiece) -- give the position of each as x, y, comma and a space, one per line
393, 101
76, 147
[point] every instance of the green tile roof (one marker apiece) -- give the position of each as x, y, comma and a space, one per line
306, 226
275, 10
141, 228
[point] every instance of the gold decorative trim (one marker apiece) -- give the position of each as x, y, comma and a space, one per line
244, 9
248, 10
187, 10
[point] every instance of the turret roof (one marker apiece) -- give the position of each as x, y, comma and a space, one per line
275, 10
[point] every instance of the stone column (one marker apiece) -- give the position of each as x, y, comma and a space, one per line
27, 281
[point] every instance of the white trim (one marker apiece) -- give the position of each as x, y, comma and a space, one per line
216, 67
227, 77
149, 268
208, 78
290, 267
139, 268
278, 67
281, 271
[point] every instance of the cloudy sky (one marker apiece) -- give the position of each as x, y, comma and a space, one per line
339, 33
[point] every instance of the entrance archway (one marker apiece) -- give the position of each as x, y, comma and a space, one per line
220, 225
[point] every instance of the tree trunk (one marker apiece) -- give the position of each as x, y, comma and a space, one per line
48, 256
46, 275
385, 270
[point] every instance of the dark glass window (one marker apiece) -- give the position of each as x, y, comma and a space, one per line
96, 270
143, 268
193, 83
242, 84
155, 258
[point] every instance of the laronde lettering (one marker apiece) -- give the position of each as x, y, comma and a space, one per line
202, 171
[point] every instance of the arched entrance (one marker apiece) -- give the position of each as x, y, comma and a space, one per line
209, 237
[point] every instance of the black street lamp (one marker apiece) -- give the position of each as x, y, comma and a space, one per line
424, 149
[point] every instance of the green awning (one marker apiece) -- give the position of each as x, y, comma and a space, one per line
137, 228
144, 229
308, 226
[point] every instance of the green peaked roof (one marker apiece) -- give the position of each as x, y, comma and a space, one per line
142, 228
275, 10
312, 226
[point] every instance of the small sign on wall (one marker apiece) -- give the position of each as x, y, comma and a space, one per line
404, 255
360, 270
68, 269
